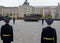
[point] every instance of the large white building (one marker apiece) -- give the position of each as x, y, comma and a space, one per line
26, 8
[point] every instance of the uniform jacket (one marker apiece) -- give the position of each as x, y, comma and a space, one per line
48, 35
7, 32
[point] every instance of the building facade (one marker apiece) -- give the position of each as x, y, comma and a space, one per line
26, 8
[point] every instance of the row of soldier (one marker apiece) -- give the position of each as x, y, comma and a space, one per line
48, 34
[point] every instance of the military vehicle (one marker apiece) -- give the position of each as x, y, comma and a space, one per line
31, 17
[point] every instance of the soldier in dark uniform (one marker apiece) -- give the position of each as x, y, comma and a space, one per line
48, 34
6, 31
13, 20
42, 21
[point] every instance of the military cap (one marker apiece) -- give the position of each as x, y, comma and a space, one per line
6, 19
49, 21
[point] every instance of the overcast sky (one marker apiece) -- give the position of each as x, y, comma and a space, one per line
32, 2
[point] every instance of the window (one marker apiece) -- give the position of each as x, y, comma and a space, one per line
10, 14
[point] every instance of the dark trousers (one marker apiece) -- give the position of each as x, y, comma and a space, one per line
13, 22
6, 41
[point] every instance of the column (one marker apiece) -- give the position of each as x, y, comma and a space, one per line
44, 13
51, 11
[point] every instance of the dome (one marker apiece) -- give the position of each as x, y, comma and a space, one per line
26, 2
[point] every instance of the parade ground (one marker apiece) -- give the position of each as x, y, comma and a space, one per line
30, 32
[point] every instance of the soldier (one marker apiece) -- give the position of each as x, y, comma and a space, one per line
48, 34
6, 31
42, 21
13, 20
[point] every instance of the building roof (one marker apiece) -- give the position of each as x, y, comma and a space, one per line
11, 7
45, 7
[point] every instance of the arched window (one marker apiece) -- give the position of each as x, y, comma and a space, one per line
10, 14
